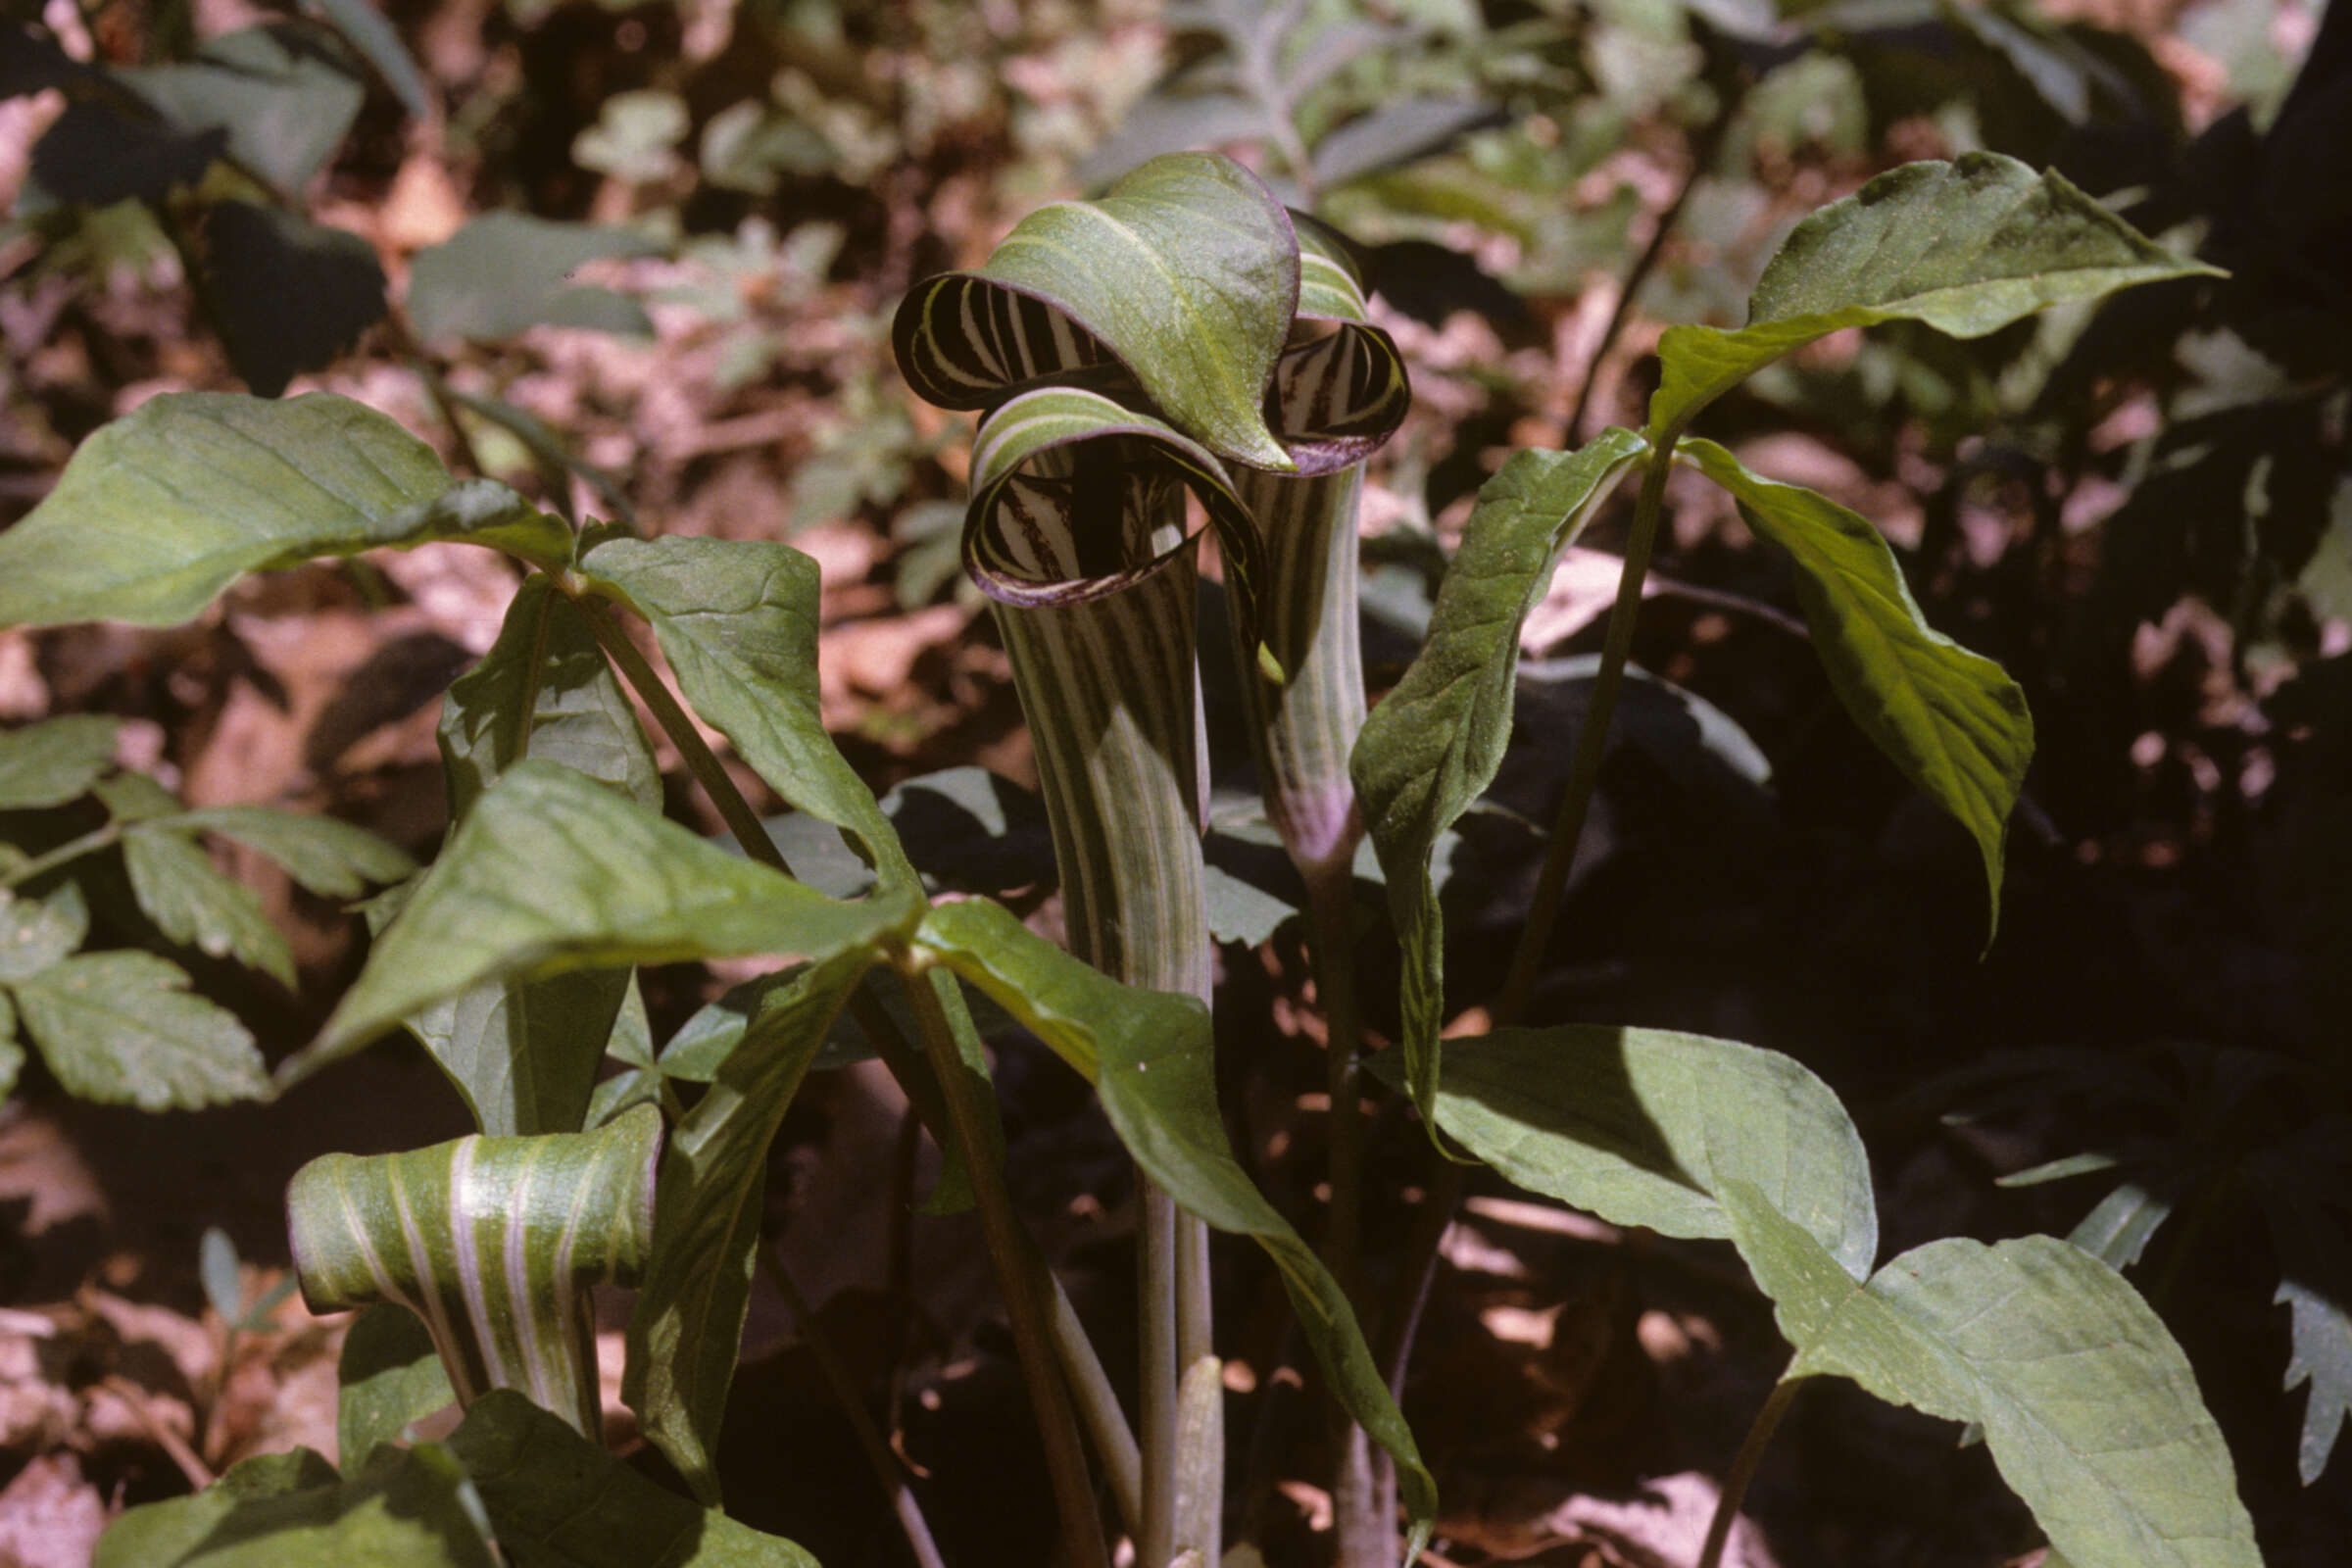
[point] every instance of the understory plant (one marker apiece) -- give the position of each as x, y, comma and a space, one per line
1181, 357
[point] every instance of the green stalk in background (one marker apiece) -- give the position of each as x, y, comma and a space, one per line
1340, 392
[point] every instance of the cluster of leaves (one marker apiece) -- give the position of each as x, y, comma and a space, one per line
79, 837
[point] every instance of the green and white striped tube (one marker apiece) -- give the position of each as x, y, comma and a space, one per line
493, 1242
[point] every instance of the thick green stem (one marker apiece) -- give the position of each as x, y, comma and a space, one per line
971, 1113
1592, 744
1743, 1470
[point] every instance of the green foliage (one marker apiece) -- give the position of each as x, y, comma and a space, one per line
688, 1321
1433, 745
504, 273
551, 872
160, 512
389, 1375
2088, 1405
1151, 1059
1954, 723
1646, 1126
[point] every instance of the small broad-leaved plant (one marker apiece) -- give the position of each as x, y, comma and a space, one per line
1183, 336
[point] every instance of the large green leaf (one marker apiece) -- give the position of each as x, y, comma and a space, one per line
1434, 744
1952, 720
505, 271
408, 1509
122, 1027
1185, 272
284, 102
559, 1501
192, 903
55, 761
333, 859
159, 511
1152, 1060
525, 1052
1069, 491
1966, 247
737, 620
493, 1242
552, 872
389, 1375
2088, 1406
687, 1326
1646, 1126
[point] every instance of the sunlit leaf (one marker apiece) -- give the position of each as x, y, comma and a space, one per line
333, 859
122, 1027
687, 1326
552, 872
1966, 247
1952, 720
161, 510
504, 273
408, 1508
1644, 1126
1150, 1058
1434, 744
2089, 1407
37, 933
53, 762
1184, 273
737, 620
191, 902
389, 1375
492, 1242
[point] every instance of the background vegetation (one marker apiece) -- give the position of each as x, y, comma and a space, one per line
640, 261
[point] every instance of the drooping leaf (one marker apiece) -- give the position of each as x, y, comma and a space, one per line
122, 1027
1966, 247
737, 620
1644, 1126
161, 510
2309, 1233
1433, 745
1184, 274
191, 902
1952, 720
492, 1242
1061, 476
364, 29
2089, 1410
37, 933
410, 1508
1150, 1058
289, 295
389, 1375
333, 859
279, 92
686, 1330
552, 872
559, 1501
53, 762
2120, 1226
523, 1052
504, 273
